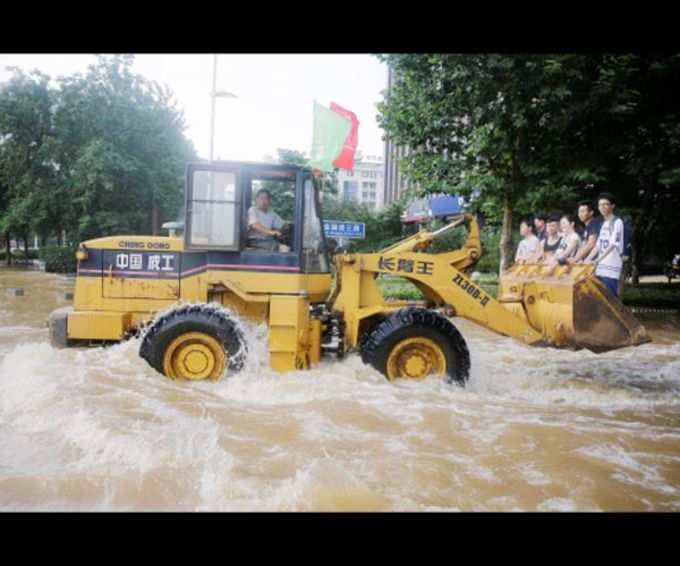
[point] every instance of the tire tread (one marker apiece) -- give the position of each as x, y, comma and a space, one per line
376, 346
193, 317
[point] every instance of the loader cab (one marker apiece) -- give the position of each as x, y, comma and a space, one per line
218, 197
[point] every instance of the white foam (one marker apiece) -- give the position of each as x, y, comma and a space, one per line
339, 436
634, 471
557, 504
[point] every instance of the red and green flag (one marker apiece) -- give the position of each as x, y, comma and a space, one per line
332, 138
346, 158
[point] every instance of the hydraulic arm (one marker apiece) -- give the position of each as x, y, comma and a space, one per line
534, 309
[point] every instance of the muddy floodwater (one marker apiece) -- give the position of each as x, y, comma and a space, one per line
536, 429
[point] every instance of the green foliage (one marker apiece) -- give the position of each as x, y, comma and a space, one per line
534, 132
59, 260
653, 295
21, 255
96, 155
398, 288
382, 228
484, 125
648, 295
283, 192
478, 122
490, 260
450, 240
27, 175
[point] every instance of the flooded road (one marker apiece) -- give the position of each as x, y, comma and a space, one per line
536, 429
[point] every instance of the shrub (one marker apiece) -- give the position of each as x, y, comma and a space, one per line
20, 255
59, 260
398, 288
652, 295
491, 257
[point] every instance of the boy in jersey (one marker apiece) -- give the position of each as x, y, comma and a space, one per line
609, 245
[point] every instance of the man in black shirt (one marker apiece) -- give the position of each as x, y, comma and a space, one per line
591, 230
539, 224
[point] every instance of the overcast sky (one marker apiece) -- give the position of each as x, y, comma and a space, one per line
275, 95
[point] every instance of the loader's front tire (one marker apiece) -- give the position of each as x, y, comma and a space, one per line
194, 342
415, 342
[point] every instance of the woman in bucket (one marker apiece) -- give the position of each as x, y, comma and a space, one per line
552, 240
568, 246
529, 248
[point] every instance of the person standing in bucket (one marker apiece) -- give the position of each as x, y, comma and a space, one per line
539, 225
591, 229
568, 246
552, 239
530, 246
606, 255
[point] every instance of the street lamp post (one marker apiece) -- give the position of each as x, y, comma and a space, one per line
213, 95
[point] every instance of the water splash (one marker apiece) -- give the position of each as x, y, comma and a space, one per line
534, 430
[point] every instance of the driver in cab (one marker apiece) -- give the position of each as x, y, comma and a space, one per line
264, 225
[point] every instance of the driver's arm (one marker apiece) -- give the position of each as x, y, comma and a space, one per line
262, 230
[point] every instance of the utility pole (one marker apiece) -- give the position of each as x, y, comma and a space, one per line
212, 116
213, 95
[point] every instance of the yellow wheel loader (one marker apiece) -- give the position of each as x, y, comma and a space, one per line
215, 276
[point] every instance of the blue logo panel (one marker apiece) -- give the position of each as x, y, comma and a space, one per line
341, 229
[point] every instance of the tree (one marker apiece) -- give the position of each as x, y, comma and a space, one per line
103, 153
283, 194
486, 124
4, 234
637, 132
381, 228
27, 170
329, 184
121, 148
534, 132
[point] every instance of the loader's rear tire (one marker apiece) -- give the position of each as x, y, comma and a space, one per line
412, 343
194, 342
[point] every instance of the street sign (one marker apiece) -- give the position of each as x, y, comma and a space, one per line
340, 229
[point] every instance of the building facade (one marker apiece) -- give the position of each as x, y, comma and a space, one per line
365, 184
394, 186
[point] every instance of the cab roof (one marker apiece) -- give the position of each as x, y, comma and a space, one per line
249, 166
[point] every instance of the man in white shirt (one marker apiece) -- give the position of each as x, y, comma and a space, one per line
264, 225
528, 248
606, 254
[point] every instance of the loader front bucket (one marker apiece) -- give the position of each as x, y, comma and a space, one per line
570, 307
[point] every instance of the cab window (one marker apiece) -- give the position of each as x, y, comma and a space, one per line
314, 258
213, 207
281, 188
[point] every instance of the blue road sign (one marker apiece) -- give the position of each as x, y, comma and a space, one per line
340, 229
